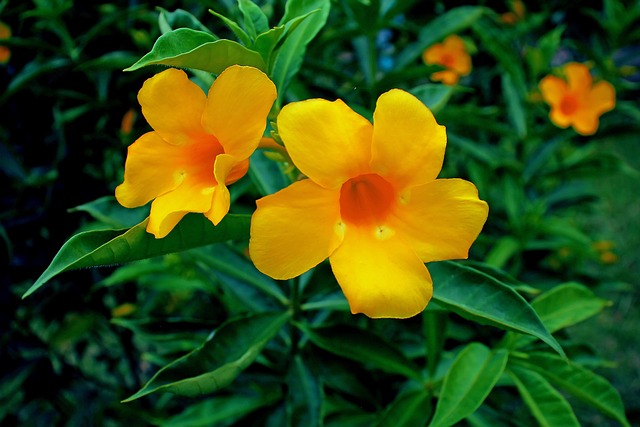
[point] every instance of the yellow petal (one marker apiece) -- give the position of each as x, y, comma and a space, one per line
433, 54
327, 141
193, 195
408, 145
237, 108
173, 106
295, 229
585, 121
150, 170
221, 197
560, 119
454, 43
447, 77
381, 277
440, 220
602, 97
578, 77
553, 89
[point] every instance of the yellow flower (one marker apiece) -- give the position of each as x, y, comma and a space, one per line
5, 52
371, 203
452, 55
577, 101
198, 145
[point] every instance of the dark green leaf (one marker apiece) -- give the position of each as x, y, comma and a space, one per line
109, 211
255, 21
434, 96
107, 247
187, 48
233, 26
304, 395
479, 297
580, 382
230, 350
546, 404
168, 21
362, 346
408, 409
468, 382
514, 104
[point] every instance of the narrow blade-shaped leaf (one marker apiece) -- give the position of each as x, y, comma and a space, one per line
187, 48
546, 404
289, 56
362, 346
255, 21
578, 381
468, 382
479, 297
107, 247
304, 397
230, 350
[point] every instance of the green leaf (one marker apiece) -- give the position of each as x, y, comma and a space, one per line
453, 21
562, 306
477, 296
578, 381
546, 404
230, 350
220, 409
106, 247
266, 174
168, 21
362, 346
468, 382
514, 104
434, 96
109, 211
234, 27
187, 48
408, 409
255, 21
290, 55
304, 395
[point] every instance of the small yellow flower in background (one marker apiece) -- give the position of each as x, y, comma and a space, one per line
452, 55
198, 145
5, 52
577, 101
371, 203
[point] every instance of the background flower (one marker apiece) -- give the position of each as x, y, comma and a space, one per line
451, 54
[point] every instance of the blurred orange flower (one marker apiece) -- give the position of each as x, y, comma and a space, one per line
576, 101
516, 14
452, 55
126, 126
198, 145
371, 203
5, 52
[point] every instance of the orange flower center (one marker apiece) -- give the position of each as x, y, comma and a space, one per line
568, 105
447, 60
366, 200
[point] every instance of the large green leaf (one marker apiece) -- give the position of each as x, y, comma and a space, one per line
562, 306
168, 21
454, 21
578, 381
187, 48
434, 96
230, 350
468, 382
362, 346
479, 297
290, 55
255, 21
546, 404
107, 247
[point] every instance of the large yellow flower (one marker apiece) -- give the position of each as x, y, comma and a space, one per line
198, 145
371, 203
453, 56
577, 102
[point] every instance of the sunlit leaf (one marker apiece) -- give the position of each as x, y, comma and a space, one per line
255, 21
229, 351
179, 18
468, 382
108, 247
187, 48
479, 297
